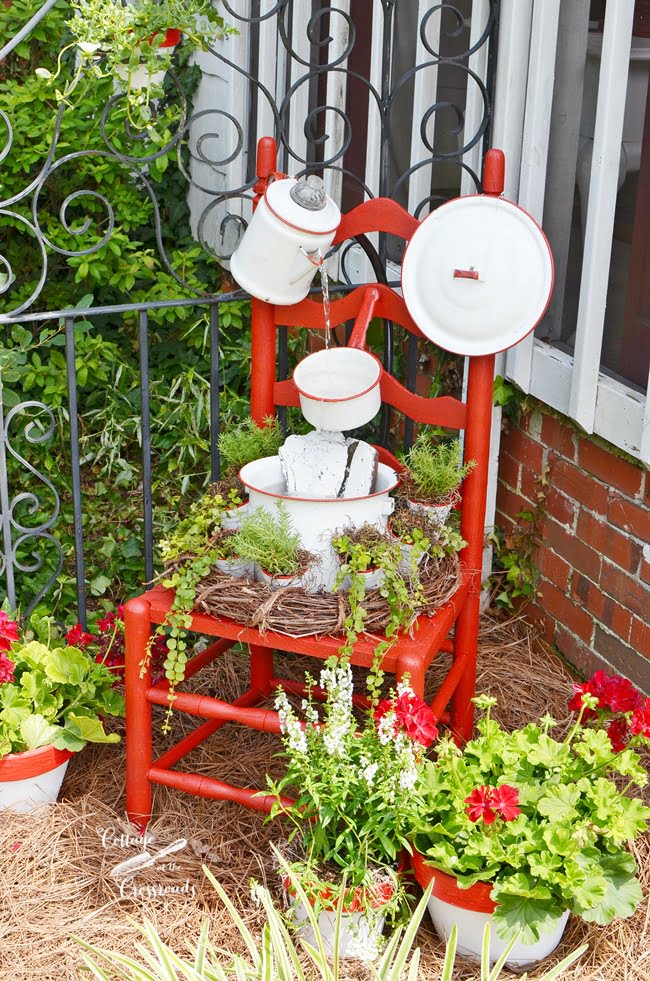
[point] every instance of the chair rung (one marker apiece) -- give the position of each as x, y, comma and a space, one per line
300, 688
264, 720
200, 786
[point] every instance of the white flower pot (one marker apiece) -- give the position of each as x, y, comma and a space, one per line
470, 909
298, 581
339, 388
358, 932
372, 578
317, 519
437, 512
233, 517
237, 568
31, 779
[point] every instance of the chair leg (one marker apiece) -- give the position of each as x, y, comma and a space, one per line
137, 628
415, 671
261, 669
465, 642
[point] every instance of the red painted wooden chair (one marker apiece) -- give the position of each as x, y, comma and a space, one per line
411, 654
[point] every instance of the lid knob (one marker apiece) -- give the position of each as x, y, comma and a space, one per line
309, 193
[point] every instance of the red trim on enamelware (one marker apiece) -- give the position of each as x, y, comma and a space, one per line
290, 224
551, 285
379, 896
319, 500
345, 398
446, 888
32, 763
172, 38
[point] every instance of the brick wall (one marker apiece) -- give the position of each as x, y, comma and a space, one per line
594, 557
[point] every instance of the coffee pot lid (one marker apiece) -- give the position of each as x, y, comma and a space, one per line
303, 204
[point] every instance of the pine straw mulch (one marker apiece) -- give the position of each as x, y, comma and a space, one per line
55, 869
297, 613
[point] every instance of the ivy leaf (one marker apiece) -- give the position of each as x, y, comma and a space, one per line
558, 803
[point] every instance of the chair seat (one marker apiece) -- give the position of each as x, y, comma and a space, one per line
426, 635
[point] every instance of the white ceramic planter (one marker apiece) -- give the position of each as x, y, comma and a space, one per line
372, 578
237, 568
231, 520
316, 519
32, 779
437, 512
470, 909
339, 388
357, 930
471, 925
299, 581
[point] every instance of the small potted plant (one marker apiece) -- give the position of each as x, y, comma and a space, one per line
227, 558
53, 698
522, 828
133, 42
353, 785
268, 542
364, 553
229, 496
245, 442
420, 535
435, 472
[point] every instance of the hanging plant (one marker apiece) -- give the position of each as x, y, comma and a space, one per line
133, 43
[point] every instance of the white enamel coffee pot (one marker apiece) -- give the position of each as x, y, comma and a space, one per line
290, 232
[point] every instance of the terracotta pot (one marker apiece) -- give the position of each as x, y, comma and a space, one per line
33, 778
470, 909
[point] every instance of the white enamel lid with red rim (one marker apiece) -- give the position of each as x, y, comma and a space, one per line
325, 221
477, 276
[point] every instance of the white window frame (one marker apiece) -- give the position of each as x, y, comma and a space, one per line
570, 383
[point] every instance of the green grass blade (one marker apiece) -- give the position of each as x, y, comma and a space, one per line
95, 968
414, 966
409, 936
555, 972
450, 955
246, 935
496, 970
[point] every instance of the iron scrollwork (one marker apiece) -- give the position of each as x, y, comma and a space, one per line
326, 52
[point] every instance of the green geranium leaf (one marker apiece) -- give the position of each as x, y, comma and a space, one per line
89, 729
632, 821
532, 915
67, 666
558, 804
37, 731
623, 891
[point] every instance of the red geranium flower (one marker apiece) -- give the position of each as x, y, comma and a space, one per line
107, 622
120, 611
614, 693
640, 722
412, 715
8, 631
505, 800
618, 734
77, 636
480, 805
6, 669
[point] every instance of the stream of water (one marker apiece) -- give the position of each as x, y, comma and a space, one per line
326, 302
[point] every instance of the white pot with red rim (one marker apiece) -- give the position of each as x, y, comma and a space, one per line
362, 921
299, 580
470, 909
339, 388
372, 578
236, 567
286, 240
31, 779
407, 550
142, 76
317, 519
232, 518
437, 512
